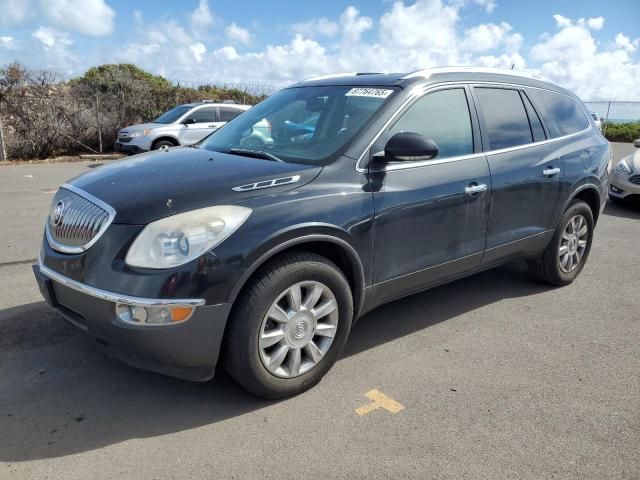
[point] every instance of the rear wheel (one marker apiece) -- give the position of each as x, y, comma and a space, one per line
289, 325
563, 259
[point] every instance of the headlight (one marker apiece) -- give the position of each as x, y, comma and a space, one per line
623, 167
176, 240
140, 133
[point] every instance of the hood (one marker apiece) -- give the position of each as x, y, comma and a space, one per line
143, 126
157, 184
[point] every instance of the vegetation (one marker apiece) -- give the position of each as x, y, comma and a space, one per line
44, 116
622, 132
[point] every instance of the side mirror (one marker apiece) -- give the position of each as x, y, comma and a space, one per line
410, 147
189, 121
636, 143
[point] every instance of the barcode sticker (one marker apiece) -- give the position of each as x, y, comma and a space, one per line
369, 92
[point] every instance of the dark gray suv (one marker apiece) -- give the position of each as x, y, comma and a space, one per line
259, 253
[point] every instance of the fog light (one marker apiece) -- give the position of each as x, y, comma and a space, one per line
615, 189
152, 315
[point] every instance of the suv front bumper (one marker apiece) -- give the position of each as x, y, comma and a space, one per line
187, 350
621, 187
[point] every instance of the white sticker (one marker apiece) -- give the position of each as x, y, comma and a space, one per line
369, 92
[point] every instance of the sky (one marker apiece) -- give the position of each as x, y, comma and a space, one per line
591, 47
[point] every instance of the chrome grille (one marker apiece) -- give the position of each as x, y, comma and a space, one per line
635, 179
76, 220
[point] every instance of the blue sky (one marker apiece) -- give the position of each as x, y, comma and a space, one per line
589, 46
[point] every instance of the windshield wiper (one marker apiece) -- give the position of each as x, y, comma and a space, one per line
246, 152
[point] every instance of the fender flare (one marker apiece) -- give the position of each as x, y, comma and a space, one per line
357, 269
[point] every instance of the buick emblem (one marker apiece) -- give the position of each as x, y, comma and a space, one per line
57, 212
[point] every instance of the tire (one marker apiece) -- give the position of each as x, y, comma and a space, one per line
162, 143
252, 362
548, 267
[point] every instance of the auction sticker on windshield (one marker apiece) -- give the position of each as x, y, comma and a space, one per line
369, 92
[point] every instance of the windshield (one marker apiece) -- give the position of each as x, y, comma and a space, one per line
173, 114
302, 125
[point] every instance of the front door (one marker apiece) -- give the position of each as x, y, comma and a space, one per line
205, 122
431, 216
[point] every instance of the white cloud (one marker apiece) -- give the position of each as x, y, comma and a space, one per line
90, 17
596, 23
8, 43
488, 5
354, 25
624, 42
202, 18
198, 50
490, 36
50, 37
318, 26
13, 11
237, 34
572, 57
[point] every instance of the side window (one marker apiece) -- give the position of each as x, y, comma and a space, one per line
561, 114
226, 114
204, 115
442, 116
505, 118
534, 120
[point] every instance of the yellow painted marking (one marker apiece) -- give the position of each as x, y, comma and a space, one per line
379, 400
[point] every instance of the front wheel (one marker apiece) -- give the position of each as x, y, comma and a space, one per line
563, 259
289, 325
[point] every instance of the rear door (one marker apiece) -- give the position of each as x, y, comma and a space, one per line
431, 216
205, 122
526, 177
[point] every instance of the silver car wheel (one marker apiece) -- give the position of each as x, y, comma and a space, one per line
298, 329
573, 243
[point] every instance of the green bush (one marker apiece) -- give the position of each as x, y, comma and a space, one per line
622, 132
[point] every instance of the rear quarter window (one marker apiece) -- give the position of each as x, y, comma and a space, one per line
561, 114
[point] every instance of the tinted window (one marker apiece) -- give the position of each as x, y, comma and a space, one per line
203, 115
173, 114
534, 120
443, 117
561, 114
226, 114
505, 119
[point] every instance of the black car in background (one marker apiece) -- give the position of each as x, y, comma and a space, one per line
260, 253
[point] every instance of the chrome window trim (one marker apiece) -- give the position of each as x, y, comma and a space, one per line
423, 90
116, 297
95, 200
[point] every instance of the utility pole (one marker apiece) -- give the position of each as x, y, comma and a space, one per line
3, 150
99, 126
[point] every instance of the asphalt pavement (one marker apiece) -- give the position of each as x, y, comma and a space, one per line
493, 376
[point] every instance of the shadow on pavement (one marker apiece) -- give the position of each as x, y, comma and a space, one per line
628, 209
60, 396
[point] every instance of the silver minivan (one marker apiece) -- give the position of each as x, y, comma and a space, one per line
183, 125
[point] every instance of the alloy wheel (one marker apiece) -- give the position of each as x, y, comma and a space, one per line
573, 243
298, 329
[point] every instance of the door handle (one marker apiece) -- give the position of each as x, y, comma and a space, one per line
550, 171
475, 188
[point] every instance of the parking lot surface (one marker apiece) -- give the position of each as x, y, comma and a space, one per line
493, 376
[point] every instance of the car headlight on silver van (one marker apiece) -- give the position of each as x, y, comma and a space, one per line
178, 239
140, 133
623, 167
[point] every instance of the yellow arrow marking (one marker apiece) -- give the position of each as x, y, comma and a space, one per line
379, 400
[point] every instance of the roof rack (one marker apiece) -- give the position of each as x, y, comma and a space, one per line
428, 72
331, 75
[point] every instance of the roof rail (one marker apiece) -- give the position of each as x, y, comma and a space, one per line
331, 75
428, 72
